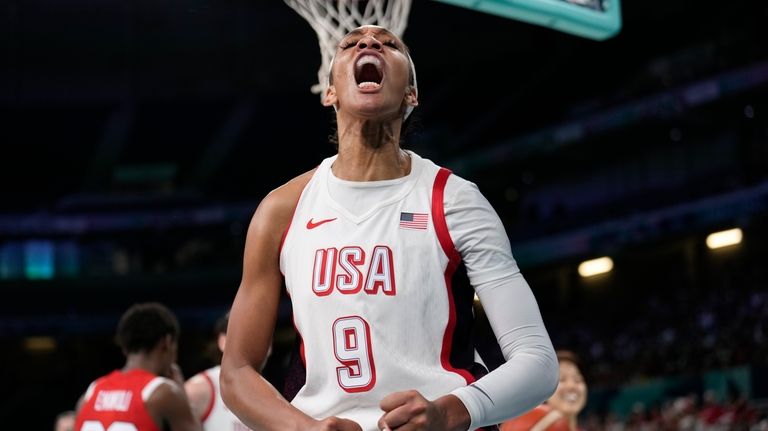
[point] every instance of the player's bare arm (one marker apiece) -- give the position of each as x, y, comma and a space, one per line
252, 320
79, 403
169, 405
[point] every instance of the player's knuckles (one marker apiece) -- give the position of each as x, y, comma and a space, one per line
391, 401
396, 418
413, 394
330, 424
421, 422
417, 409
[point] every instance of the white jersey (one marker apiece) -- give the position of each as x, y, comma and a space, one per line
372, 297
217, 416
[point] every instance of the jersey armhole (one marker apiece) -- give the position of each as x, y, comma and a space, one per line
212, 401
438, 217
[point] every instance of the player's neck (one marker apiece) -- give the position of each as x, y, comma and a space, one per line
373, 133
142, 361
357, 162
572, 423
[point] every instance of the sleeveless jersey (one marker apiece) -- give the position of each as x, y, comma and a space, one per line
217, 416
372, 297
115, 402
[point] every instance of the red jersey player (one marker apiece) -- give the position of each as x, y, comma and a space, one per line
142, 395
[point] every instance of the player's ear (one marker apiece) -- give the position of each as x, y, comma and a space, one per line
167, 342
411, 96
330, 98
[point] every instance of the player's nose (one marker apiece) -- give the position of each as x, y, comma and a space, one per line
369, 42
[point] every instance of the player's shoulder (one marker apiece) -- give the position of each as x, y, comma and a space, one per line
92, 387
200, 388
454, 178
457, 181
161, 389
199, 379
281, 202
294, 187
460, 191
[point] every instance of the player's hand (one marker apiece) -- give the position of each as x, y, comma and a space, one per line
409, 410
336, 424
174, 373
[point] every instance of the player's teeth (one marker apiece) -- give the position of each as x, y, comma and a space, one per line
368, 84
366, 59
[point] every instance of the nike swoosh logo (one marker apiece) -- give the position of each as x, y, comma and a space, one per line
312, 225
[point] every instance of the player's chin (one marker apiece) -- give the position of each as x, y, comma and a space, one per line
572, 409
376, 109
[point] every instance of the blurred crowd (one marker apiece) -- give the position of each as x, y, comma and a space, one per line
679, 333
686, 413
689, 334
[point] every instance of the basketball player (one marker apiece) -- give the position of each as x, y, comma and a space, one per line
204, 393
65, 421
147, 393
561, 411
367, 243
570, 397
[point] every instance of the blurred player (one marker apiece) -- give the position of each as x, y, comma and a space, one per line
65, 421
205, 395
561, 411
147, 393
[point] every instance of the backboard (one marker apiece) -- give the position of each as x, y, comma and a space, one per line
592, 19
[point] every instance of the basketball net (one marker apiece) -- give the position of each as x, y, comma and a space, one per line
331, 20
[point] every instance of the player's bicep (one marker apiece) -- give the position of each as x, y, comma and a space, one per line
254, 310
478, 233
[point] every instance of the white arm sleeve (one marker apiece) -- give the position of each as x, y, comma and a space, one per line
530, 374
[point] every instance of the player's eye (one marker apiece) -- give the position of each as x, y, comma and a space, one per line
348, 44
392, 44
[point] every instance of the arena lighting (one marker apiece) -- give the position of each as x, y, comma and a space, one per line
592, 267
40, 344
724, 238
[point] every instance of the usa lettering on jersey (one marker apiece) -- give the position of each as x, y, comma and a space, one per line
349, 270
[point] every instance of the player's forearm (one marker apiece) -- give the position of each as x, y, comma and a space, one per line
257, 403
530, 374
454, 413
514, 387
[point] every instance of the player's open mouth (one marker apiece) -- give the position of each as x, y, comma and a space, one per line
368, 72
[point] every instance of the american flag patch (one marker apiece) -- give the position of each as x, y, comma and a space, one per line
413, 220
